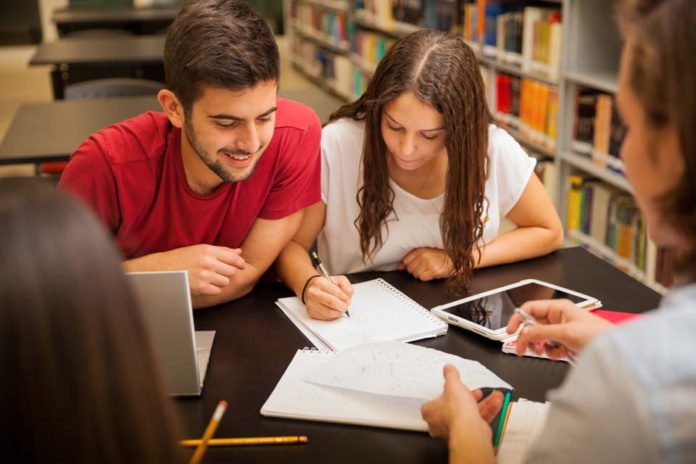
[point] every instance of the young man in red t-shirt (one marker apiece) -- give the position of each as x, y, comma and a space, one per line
217, 184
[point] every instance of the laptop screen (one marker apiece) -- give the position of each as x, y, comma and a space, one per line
165, 303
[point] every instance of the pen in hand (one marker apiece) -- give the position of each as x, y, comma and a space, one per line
530, 321
322, 270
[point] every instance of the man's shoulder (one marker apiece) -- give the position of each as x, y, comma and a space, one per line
295, 115
144, 137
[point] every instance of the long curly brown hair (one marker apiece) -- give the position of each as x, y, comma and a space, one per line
443, 72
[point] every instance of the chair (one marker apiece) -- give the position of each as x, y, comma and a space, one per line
101, 88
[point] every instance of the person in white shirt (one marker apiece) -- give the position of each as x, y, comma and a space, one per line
630, 397
416, 177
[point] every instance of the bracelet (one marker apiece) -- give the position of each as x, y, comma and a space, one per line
304, 289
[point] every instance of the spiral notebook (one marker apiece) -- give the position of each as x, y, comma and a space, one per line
294, 398
394, 402
378, 311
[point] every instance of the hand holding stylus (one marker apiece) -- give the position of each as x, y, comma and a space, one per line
559, 321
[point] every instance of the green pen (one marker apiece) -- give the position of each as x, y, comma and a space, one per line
501, 421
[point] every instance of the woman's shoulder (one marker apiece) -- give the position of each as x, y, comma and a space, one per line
344, 128
342, 141
499, 137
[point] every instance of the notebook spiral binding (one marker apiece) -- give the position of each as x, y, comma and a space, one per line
411, 303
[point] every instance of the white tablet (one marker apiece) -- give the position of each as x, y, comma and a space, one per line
488, 313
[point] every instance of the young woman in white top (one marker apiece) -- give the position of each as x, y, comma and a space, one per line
416, 177
630, 396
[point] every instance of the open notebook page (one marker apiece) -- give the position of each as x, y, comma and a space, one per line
296, 399
399, 369
378, 311
526, 421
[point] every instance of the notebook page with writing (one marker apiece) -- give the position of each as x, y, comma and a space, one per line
399, 369
378, 311
525, 424
294, 398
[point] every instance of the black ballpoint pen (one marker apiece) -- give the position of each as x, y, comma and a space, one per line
322, 270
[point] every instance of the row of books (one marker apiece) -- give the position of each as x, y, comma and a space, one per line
360, 80
347, 75
529, 107
545, 170
368, 48
608, 221
394, 15
334, 69
598, 130
529, 37
324, 24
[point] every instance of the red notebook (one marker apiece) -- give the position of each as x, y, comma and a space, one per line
615, 317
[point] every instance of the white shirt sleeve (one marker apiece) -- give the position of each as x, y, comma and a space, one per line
509, 171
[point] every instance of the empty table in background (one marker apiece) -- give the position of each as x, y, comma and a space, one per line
77, 60
137, 20
42, 132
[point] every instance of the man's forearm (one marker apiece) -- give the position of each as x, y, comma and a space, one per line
232, 292
294, 266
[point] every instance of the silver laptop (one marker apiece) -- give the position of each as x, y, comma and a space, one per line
183, 353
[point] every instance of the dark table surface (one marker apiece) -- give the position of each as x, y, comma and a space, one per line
86, 14
132, 50
255, 342
51, 131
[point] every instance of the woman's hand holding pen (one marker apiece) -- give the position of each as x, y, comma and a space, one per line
327, 301
559, 321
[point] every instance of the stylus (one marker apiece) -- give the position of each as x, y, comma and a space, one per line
530, 321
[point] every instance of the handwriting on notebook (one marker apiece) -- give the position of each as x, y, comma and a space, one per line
398, 369
378, 312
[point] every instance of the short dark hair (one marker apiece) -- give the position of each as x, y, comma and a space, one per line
221, 43
79, 379
662, 37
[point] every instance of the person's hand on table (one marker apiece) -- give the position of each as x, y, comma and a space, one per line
427, 264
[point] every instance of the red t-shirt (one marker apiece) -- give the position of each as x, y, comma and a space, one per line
131, 174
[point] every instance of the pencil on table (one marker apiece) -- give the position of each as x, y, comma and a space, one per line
209, 432
287, 440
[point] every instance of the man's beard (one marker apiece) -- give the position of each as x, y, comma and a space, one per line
214, 164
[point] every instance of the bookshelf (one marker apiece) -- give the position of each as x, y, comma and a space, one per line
550, 68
